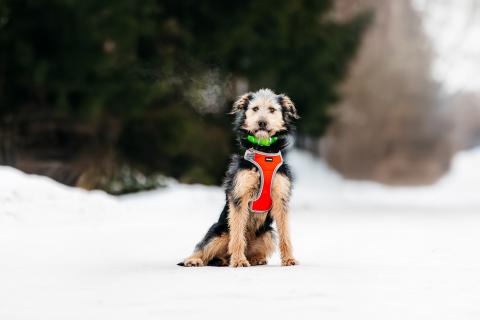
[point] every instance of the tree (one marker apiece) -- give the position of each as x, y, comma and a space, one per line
388, 125
121, 83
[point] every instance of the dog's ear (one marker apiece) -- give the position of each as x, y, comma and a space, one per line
241, 103
288, 108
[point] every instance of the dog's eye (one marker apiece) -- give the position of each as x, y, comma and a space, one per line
255, 109
272, 110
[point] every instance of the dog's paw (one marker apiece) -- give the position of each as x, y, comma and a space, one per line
240, 262
257, 261
193, 262
218, 262
289, 262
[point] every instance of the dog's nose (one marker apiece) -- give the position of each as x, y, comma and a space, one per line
262, 124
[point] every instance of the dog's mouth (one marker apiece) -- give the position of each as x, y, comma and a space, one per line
262, 134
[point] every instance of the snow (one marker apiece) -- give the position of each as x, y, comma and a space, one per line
366, 251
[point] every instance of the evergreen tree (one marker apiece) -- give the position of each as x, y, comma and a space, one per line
124, 74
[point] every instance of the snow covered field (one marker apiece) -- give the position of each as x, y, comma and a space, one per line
366, 251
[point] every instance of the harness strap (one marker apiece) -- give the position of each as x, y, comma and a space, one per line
267, 164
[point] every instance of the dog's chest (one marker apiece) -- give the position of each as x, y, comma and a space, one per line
255, 221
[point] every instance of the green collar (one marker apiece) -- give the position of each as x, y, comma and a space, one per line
262, 142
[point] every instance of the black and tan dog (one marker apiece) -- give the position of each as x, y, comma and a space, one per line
242, 238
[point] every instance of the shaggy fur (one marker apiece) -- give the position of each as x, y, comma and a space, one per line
241, 238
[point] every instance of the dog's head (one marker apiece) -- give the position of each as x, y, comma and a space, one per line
264, 113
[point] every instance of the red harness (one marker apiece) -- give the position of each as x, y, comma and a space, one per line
267, 164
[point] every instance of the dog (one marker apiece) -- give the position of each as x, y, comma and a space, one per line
243, 237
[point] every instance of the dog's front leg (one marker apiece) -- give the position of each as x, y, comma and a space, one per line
280, 196
244, 186
237, 221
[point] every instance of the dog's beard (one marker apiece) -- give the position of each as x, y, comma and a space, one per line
262, 134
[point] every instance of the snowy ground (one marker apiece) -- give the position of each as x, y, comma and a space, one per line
366, 252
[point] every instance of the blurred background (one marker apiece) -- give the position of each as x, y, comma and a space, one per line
125, 96
121, 95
